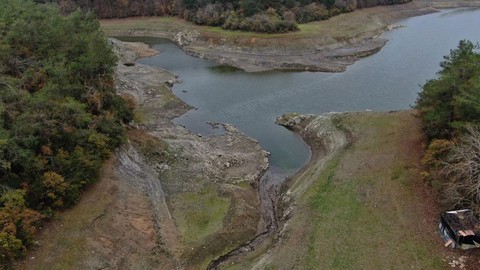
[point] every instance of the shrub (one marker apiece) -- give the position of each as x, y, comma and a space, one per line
211, 14
449, 107
59, 115
17, 226
311, 12
462, 169
266, 23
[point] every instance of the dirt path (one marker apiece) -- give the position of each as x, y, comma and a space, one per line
329, 46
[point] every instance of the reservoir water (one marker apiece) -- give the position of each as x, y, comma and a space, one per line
388, 80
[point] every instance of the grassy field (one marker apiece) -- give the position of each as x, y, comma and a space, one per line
169, 25
200, 213
336, 29
345, 28
369, 209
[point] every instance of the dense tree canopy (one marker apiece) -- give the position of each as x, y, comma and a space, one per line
59, 114
249, 15
452, 101
450, 109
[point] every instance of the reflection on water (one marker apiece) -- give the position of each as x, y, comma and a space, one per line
458, 11
224, 69
388, 80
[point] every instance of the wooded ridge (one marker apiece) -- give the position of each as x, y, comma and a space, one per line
248, 15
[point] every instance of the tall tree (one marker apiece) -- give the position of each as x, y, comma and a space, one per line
59, 115
447, 103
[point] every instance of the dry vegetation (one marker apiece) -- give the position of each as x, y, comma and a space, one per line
368, 208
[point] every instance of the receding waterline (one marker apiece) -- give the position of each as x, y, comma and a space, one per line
388, 80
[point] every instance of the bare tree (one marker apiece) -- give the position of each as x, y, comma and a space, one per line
462, 172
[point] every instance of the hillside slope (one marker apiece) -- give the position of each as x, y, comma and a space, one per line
360, 203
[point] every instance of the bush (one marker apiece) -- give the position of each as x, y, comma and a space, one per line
59, 115
437, 151
266, 23
452, 101
17, 226
233, 21
462, 169
211, 14
311, 12
449, 107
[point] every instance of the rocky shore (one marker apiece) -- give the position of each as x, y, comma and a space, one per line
177, 200
205, 187
364, 177
168, 199
327, 46
325, 136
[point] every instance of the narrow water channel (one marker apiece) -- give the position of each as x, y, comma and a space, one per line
388, 80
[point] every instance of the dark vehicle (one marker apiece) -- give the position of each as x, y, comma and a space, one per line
460, 229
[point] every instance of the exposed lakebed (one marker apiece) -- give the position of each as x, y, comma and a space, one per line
388, 80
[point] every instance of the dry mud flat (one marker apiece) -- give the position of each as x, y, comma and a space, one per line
168, 199
328, 46
203, 191
171, 199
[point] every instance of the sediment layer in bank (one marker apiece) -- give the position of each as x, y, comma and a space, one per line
169, 198
328, 46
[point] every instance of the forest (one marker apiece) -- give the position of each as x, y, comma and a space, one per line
449, 107
269, 16
59, 115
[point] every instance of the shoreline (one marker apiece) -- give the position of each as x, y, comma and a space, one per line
316, 47
341, 55
322, 135
102, 247
173, 198
228, 168
343, 156
325, 140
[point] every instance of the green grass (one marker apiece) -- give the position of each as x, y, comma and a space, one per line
64, 246
355, 231
230, 33
361, 212
340, 27
308, 28
149, 23
400, 173
244, 185
332, 202
199, 214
